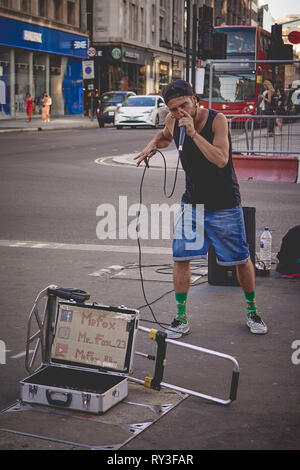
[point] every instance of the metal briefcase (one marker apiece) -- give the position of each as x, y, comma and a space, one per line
92, 347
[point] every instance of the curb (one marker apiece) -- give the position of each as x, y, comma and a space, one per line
32, 129
38, 129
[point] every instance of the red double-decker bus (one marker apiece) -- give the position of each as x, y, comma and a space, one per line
238, 82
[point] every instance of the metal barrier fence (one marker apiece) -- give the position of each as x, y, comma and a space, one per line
236, 85
265, 135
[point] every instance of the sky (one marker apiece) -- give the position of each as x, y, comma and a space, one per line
280, 8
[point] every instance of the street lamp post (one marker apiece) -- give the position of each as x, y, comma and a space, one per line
173, 36
188, 29
194, 46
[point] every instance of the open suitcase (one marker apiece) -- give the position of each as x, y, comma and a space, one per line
87, 354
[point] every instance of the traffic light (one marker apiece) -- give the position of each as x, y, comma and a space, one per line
205, 33
276, 33
276, 42
287, 52
278, 50
219, 46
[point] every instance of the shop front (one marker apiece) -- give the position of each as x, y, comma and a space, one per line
119, 68
135, 66
35, 59
166, 70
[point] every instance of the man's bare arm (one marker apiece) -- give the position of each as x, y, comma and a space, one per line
161, 140
217, 152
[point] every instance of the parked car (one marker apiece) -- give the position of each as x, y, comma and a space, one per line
108, 104
141, 110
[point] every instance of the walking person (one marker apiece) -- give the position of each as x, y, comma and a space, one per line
210, 181
97, 102
280, 107
267, 105
46, 102
29, 106
295, 98
91, 105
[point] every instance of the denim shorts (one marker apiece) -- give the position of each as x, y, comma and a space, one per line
195, 228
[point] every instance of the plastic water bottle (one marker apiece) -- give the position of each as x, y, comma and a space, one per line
265, 253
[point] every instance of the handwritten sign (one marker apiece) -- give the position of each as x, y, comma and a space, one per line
91, 336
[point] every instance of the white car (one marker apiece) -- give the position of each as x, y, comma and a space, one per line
141, 110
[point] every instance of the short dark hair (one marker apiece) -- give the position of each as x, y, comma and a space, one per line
176, 89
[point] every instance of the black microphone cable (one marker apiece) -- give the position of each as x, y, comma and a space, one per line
163, 325
168, 196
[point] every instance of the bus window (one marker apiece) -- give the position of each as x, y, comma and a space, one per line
265, 42
231, 88
239, 40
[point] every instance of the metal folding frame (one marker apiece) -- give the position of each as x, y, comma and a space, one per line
155, 382
39, 336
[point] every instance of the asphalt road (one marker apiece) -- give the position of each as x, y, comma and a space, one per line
51, 188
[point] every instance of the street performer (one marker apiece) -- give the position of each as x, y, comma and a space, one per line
210, 181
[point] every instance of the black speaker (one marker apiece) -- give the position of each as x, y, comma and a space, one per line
226, 275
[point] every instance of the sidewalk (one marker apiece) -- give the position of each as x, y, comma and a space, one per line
56, 123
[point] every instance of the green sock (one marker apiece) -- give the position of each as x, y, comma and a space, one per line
251, 304
181, 299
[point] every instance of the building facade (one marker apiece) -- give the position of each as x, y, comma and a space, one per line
289, 24
233, 12
140, 44
42, 46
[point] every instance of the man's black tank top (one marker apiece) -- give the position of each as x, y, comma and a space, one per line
206, 183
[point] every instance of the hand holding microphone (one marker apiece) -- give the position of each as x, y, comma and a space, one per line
181, 138
186, 124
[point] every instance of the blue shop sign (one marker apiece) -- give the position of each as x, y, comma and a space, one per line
37, 38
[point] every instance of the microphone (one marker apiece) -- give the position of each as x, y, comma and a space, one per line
181, 138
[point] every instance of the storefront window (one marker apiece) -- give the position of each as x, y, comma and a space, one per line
125, 82
132, 77
72, 86
21, 80
115, 77
176, 70
163, 75
142, 80
55, 85
4, 83
39, 79
104, 78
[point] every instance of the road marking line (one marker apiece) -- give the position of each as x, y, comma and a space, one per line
153, 250
21, 354
111, 162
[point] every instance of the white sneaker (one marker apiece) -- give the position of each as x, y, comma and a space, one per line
177, 329
257, 325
